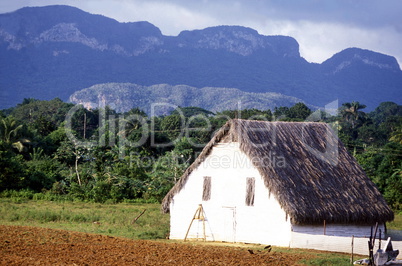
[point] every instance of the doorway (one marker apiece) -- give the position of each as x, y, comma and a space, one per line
229, 224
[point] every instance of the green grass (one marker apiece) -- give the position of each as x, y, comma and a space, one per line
396, 224
332, 259
108, 219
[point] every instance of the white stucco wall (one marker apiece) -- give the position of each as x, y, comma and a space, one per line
342, 230
228, 217
335, 237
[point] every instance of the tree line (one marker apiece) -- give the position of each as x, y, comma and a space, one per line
57, 150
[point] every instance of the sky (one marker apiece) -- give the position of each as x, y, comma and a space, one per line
321, 27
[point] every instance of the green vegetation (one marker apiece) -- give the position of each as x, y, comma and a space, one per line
325, 259
396, 224
107, 219
51, 150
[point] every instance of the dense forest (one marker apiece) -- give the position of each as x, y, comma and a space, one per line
55, 150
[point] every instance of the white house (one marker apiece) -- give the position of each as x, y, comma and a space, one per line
287, 184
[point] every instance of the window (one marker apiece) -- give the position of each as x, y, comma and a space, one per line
250, 190
206, 190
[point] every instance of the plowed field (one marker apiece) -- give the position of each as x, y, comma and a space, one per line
21, 245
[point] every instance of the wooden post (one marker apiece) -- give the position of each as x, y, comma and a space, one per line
325, 228
136, 218
371, 243
351, 258
379, 240
375, 233
370, 246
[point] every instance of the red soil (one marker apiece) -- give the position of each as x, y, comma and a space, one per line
20, 245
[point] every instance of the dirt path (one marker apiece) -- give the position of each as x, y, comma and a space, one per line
21, 245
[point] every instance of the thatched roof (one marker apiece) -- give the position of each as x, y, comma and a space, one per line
319, 181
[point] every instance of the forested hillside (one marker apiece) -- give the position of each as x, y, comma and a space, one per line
57, 150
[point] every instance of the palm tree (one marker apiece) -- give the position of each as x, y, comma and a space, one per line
132, 123
351, 112
9, 133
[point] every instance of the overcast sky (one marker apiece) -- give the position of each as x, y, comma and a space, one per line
322, 27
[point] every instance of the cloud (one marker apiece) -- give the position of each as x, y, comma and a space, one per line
319, 41
172, 19
360, 13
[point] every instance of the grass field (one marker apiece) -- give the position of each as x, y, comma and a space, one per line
108, 219
396, 224
118, 220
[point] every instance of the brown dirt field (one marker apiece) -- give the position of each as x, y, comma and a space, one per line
20, 245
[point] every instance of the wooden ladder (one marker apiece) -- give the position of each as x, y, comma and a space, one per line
198, 215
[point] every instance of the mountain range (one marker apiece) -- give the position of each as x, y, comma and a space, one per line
55, 51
